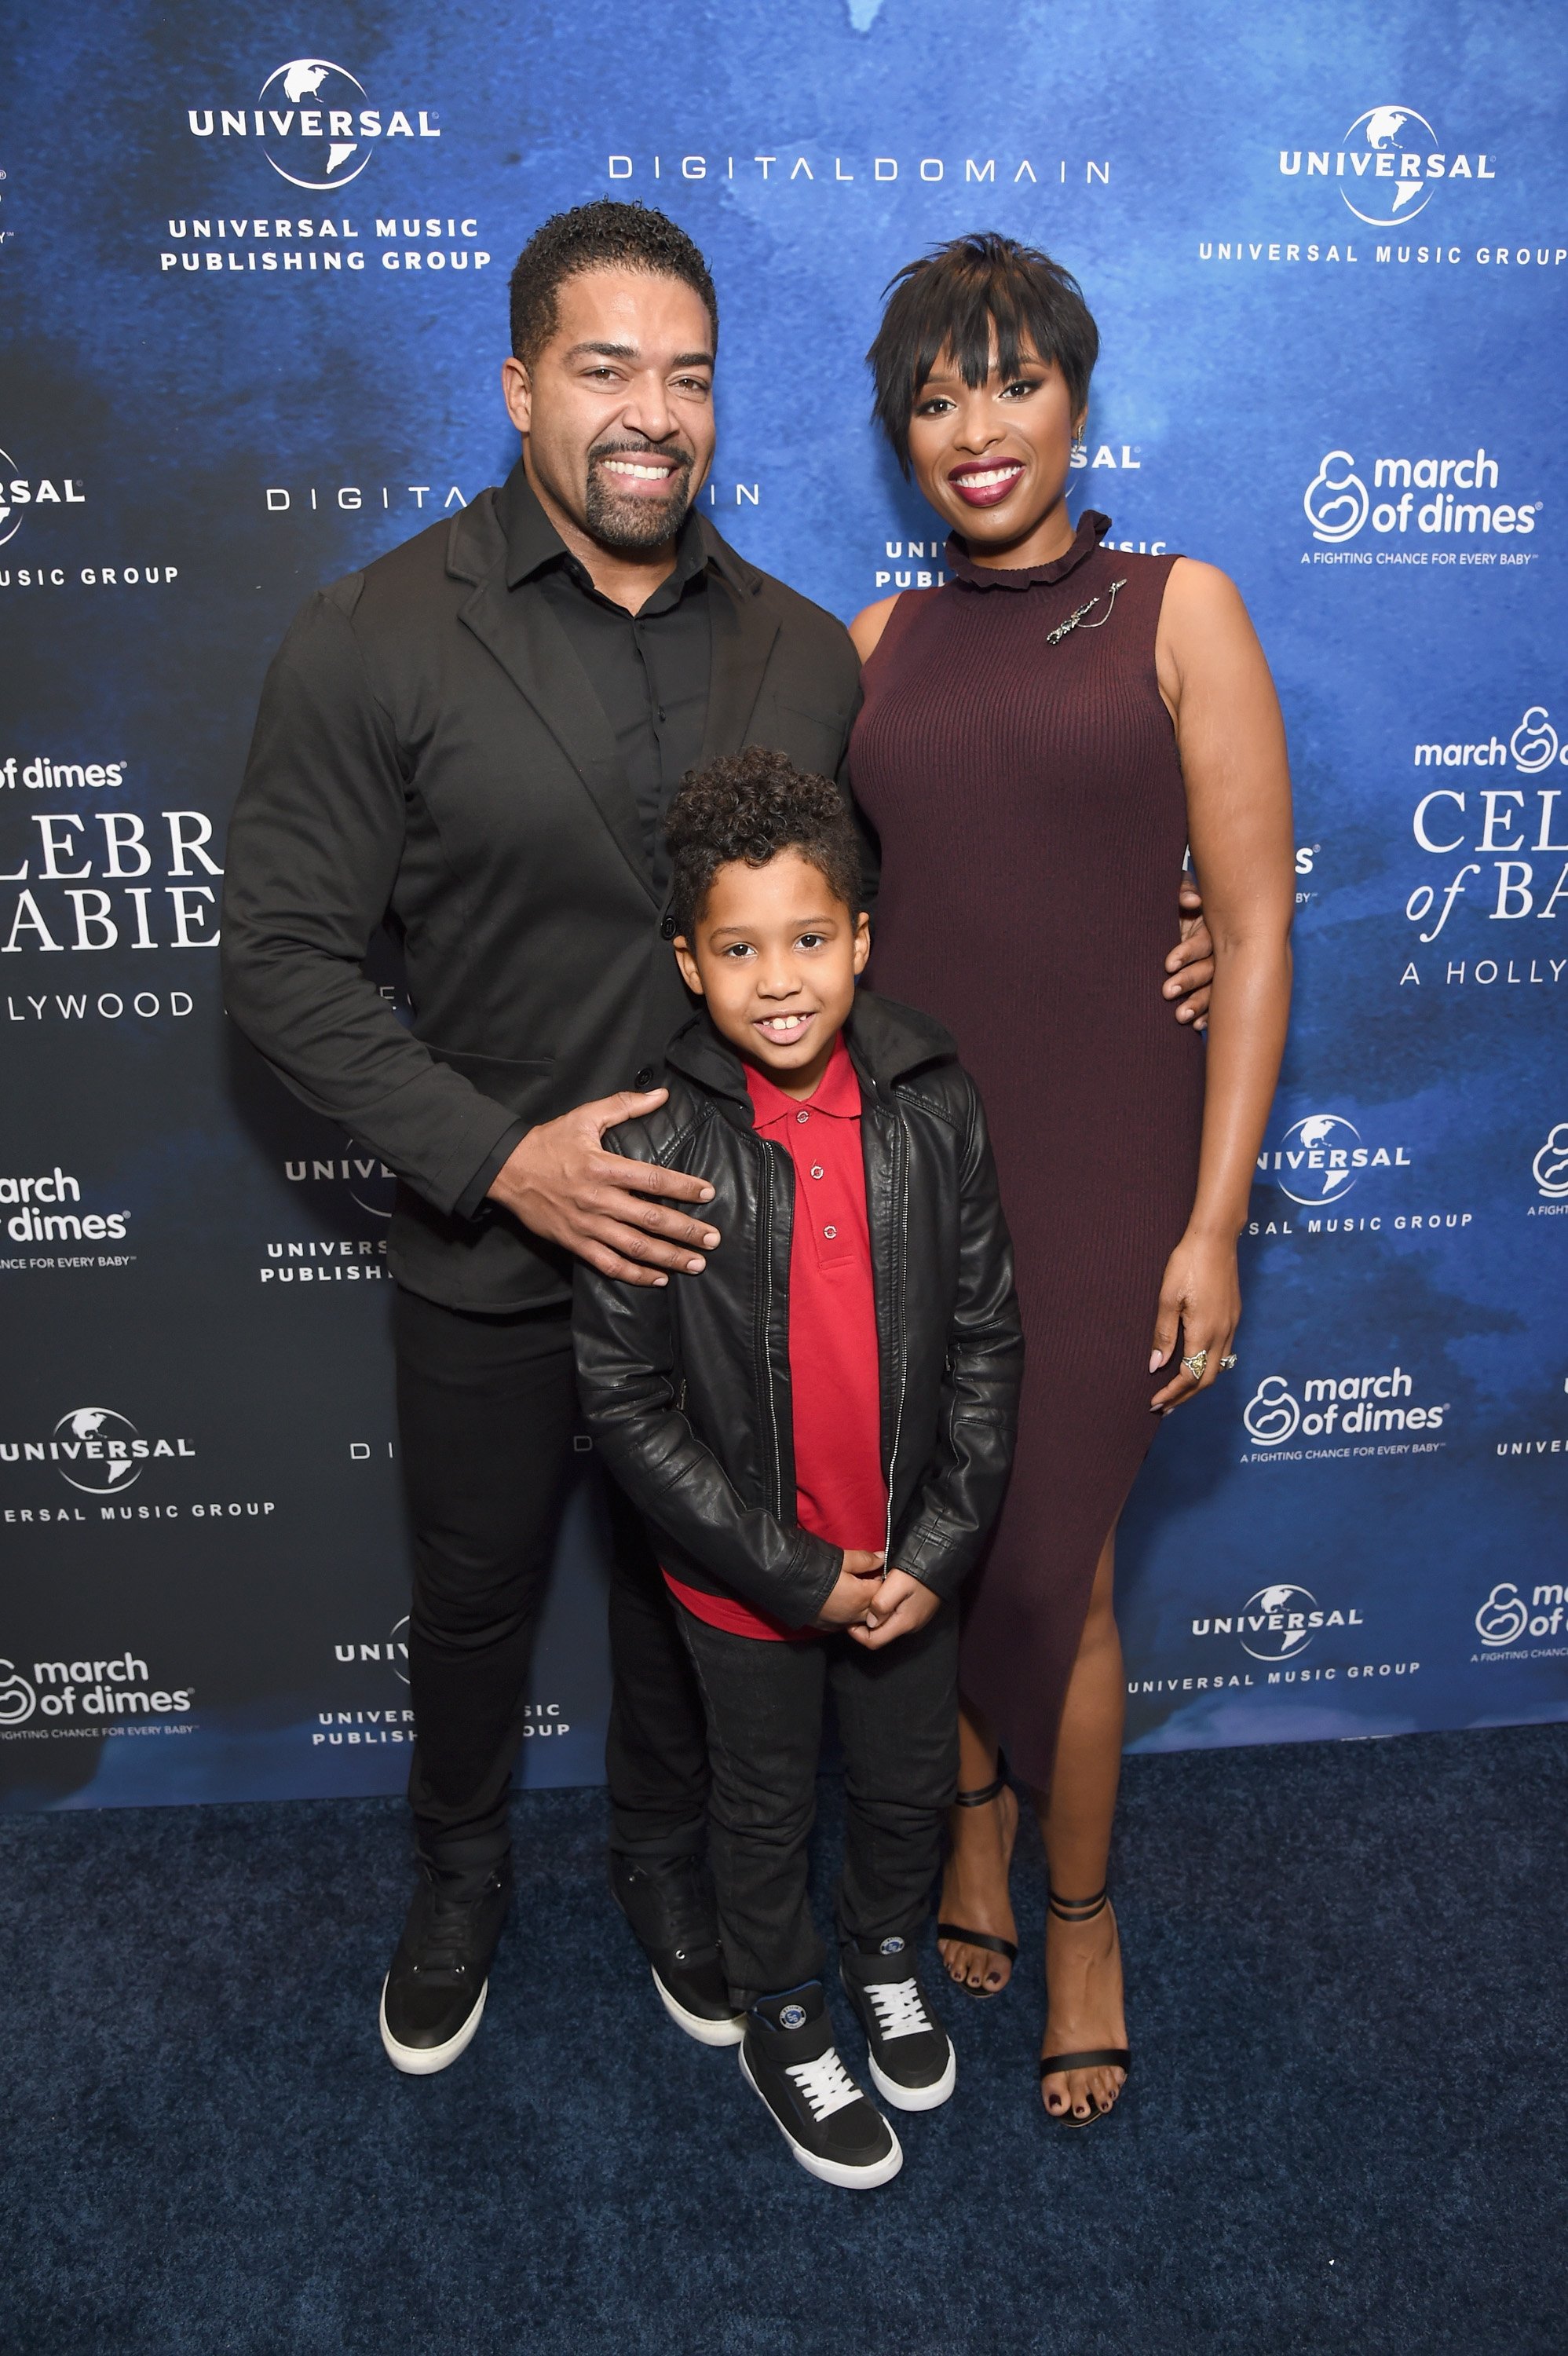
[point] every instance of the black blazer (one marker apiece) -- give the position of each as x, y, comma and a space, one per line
686, 1387
430, 753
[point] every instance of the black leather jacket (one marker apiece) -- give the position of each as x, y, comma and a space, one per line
686, 1387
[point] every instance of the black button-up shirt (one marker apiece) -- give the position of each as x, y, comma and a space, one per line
649, 670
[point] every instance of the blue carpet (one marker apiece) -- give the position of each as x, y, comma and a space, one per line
1343, 2130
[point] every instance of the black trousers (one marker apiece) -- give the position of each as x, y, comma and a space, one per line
487, 1409
897, 1723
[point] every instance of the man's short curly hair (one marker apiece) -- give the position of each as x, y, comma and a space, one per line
605, 235
751, 806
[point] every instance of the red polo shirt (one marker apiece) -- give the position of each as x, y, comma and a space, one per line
840, 1493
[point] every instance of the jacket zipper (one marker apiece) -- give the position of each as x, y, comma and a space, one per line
903, 1182
765, 1253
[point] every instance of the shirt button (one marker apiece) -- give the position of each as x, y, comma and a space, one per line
803, 1116
817, 1169
830, 1233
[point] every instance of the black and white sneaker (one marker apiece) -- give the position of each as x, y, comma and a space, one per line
913, 2065
790, 2060
671, 1908
433, 1997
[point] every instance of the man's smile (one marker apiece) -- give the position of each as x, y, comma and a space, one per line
639, 476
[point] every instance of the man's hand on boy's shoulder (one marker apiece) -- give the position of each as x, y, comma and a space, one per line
563, 1185
896, 1608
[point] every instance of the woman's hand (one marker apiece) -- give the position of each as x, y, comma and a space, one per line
857, 1582
1201, 1294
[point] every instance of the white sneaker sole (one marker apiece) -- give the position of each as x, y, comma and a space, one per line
831, 2171
707, 2032
424, 2060
916, 2098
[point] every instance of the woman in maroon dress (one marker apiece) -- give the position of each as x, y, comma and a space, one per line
1043, 736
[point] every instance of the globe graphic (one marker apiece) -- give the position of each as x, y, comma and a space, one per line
313, 88
1317, 1141
1285, 1606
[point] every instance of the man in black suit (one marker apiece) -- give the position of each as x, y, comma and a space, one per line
474, 740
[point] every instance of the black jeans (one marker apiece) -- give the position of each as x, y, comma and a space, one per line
898, 1722
487, 1409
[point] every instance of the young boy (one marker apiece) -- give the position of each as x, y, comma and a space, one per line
818, 1429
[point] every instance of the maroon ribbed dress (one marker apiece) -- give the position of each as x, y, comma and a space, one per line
1033, 824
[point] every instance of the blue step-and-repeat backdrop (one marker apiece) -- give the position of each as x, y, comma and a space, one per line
254, 271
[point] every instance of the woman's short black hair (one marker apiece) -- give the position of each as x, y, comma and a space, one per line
751, 806
605, 235
955, 299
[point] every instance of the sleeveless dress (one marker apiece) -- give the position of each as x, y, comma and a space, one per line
1033, 823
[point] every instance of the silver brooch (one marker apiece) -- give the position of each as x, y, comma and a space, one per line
1054, 637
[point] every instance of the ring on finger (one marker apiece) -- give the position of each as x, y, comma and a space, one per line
1227, 1362
1195, 1364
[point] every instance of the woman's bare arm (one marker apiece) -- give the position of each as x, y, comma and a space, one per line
1215, 681
868, 626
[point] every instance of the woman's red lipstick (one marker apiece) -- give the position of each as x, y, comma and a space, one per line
985, 483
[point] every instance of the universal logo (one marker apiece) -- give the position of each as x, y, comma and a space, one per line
97, 1689
95, 1449
313, 124
1318, 1160
1505, 1616
1388, 165
1350, 1404
1338, 503
393, 1649
370, 1181
18, 492
1277, 1623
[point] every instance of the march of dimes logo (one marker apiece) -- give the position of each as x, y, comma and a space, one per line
1338, 504
1505, 1620
1549, 1167
314, 122
94, 1690
1361, 1415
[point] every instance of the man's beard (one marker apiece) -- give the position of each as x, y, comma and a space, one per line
621, 519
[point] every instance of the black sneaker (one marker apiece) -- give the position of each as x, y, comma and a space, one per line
432, 1997
912, 2063
790, 2060
671, 1908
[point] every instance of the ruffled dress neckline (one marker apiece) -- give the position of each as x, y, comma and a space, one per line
1092, 530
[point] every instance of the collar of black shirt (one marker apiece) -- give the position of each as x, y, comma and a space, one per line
534, 545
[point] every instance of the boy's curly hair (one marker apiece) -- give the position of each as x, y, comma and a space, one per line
751, 806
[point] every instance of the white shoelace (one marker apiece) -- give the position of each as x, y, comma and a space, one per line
900, 2012
825, 2083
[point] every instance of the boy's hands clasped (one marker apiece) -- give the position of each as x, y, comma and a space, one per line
873, 1605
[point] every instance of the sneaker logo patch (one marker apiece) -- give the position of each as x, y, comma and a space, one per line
892, 1947
792, 2016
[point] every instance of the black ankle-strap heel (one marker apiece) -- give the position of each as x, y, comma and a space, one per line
1100, 2057
1006, 1948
